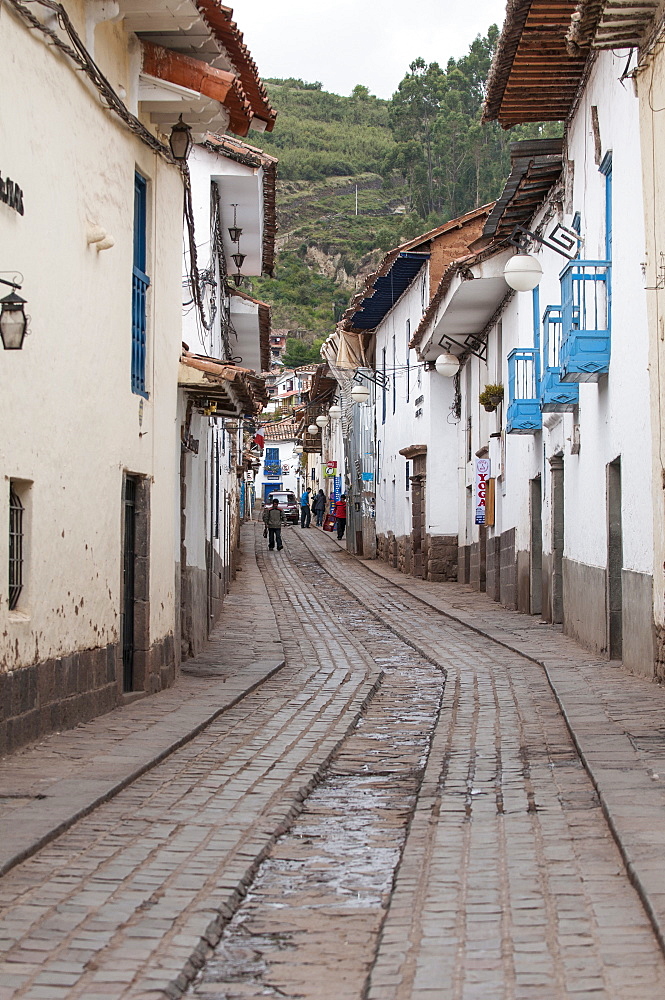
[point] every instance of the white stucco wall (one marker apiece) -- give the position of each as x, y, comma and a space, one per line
72, 424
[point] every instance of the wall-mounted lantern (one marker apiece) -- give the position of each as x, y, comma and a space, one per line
523, 272
298, 449
447, 365
181, 141
321, 421
360, 394
13, 321
312, 429
335, 411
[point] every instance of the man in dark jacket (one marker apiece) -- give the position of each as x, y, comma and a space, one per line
272, 518
319, 507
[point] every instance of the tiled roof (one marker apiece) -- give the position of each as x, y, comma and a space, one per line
536, 166
533, 76
610, 24
207, 378
384, 286
220, 19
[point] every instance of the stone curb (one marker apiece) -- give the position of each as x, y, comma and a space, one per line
641, 845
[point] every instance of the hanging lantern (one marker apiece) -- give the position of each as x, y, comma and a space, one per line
235, 232
238, 259
360, 394
298, 449
312, 429
447, 365
335, 411
321, 420
13, 321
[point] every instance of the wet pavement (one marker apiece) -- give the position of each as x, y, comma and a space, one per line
401, 811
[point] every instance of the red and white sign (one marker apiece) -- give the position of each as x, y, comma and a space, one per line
483, 469
330, 470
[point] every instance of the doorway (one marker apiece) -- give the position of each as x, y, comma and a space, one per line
128, 581
536, 531
614, 562
558, 530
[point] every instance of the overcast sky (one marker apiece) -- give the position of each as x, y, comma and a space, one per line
345, 42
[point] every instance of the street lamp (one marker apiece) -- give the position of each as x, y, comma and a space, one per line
298, 449
523, 272
335, 411
13, 321
321, 420
235, 232
180, 140
447, 364
312, 429
360, 394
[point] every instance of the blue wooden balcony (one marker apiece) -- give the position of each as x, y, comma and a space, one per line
585, 313
523, 415
555, 396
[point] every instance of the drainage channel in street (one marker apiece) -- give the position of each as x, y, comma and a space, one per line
310, 923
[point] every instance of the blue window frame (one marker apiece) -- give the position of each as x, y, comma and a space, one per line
606, 169
523, 415
408, 359
140, 283
272, 467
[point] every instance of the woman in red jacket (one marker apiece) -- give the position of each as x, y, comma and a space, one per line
340, 515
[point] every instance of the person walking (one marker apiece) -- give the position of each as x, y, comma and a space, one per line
305, 512
340, 515
272, 518
319, 507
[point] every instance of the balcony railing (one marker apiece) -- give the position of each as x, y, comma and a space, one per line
585, 313
555, 395
523, 415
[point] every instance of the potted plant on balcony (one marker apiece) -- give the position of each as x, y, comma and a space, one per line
491, 396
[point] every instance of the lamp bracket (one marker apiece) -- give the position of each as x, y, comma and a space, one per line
377, 378
471, 345
11, 284
562, 240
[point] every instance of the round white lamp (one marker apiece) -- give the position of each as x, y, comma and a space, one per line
523, 272
312, 429
447, 364
298, 449
321, 420
360, 394
335, 411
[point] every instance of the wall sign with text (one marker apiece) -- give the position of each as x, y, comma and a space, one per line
11, 194
480, 488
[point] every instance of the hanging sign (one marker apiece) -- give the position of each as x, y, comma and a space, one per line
330, 470
337, 488
480, 488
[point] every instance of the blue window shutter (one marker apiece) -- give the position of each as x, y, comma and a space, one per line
140, 283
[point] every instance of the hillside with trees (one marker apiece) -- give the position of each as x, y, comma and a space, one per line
359, 175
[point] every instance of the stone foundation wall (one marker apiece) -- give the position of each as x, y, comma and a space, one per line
442, 558
62, 692
508, 569
439, 555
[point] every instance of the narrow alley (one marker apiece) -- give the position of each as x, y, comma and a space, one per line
391, 799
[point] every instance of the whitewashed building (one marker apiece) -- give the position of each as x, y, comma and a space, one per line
226, 347
91, 239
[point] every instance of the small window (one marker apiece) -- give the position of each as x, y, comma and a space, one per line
140, 284
408, 475
16, 547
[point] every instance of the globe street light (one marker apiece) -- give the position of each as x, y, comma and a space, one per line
360, 394
321, 420
335, 411
523, 272
447, 364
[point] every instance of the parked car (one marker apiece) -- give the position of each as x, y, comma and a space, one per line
287, 503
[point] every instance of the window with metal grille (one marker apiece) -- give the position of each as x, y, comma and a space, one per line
16, 538
140, 283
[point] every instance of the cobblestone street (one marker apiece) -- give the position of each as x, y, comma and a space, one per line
431, 797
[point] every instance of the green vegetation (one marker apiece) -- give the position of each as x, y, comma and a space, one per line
412, 162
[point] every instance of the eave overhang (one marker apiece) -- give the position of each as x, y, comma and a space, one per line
251, 321
533, 76
536, 167
611, 24
386, 290
235, 391
468, 297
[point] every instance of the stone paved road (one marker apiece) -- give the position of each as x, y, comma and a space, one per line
498, 880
